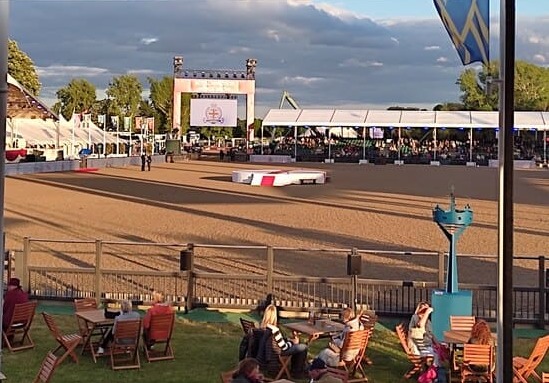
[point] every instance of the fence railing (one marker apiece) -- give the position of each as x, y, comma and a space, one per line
234, 276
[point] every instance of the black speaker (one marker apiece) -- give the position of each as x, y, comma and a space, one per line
185, 260
354, 264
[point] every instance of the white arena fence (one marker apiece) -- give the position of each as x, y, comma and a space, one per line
240, 276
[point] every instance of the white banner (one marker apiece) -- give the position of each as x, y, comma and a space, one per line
213, 112
376, 133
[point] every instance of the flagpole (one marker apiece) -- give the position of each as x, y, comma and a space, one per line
4, 10
505, 205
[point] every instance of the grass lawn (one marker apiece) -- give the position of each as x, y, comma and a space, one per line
203, 350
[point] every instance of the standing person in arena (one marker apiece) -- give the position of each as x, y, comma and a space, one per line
292, 347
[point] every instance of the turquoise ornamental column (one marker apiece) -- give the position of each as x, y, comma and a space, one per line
453, 223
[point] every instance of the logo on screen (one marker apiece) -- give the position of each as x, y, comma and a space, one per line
213, 115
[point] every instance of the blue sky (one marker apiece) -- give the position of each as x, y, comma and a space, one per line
354, 54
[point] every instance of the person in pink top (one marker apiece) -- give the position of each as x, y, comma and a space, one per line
159, 307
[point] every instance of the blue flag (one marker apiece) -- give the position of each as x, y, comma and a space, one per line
468, 24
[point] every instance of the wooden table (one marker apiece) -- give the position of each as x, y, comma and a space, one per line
97, 325
321, 327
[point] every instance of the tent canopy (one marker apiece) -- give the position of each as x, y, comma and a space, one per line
400, 118
23, 104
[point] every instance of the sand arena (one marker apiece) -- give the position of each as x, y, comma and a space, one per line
366, 206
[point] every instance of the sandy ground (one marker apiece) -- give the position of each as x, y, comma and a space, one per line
363, 206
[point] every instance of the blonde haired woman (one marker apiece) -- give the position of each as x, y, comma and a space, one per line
331, 354
292, 347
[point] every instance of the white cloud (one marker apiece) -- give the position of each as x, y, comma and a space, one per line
442, 59
148, 40
300, 80
539, 58
432, 48
356, 63
70, 71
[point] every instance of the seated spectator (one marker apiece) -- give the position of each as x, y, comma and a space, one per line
248, 372
481, 334
159, 307
14, 295
318, 372
420, 332
331, 354
125, 314
292, 347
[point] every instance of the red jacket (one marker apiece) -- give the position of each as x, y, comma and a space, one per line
158, 308
12, 298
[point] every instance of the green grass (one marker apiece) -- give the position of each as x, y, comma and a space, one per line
203, 350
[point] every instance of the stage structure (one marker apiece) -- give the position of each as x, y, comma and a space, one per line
205, 84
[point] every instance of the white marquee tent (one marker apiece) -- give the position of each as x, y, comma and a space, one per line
400, 118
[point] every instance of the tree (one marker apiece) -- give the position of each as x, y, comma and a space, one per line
453, 106
161, 97
531, 87
77, 97
21, 67
125, 94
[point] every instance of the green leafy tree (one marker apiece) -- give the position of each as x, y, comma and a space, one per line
161, 100
480, 93
79, 96
453, 106
125, 95
21, 67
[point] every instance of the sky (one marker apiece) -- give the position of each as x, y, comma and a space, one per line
346, 54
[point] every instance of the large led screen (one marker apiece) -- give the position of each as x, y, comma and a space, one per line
213, 112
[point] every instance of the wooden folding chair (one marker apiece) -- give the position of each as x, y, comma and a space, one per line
246, 325
160, 330
352, 352
18, 330
418, 361
460, 323
368, 320
125, 345
67, 342
475, 358
525, 368
49, 364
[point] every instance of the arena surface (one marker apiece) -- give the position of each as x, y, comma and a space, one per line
365, 206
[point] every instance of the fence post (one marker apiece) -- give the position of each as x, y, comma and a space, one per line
270, 269
22, 265
98, 252
190, 278
542, 285
441, 267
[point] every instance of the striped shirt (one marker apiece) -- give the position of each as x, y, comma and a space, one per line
279, 338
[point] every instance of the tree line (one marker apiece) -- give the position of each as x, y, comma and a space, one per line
124, 95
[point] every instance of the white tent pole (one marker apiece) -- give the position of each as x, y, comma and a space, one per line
117, 140
471, 145
363, 142
295, 143
329, 144
398, 146
435, 144
545, 147
261, 139
72, 138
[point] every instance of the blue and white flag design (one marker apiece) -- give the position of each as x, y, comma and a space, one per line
468, 24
